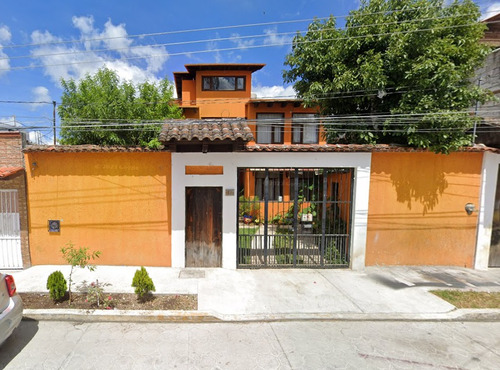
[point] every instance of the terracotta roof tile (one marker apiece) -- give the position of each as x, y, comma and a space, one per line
220, 129
85, 149
9, 171
352, 148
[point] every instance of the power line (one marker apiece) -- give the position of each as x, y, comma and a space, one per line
24, 102
142, 35
324, 120
386, 90
236, 48
232, 38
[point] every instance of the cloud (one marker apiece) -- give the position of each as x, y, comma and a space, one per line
212, 45
40, 94
240, 42
491, 10
5, 37
8, 122
38, 138
273, 38
274, 91
84, 24
110, 47
5, 34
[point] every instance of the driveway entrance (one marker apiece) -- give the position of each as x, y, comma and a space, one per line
294, 217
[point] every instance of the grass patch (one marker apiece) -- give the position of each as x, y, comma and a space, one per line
469, 299
246, 236
247, 230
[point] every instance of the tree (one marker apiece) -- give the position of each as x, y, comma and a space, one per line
80, 257
400, 71
100, 109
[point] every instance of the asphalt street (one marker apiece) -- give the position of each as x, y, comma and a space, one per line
264, 345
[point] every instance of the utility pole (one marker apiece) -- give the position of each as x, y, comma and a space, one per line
54, 120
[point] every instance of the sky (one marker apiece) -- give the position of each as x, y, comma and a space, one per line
44, 41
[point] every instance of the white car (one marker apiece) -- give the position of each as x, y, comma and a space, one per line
11, 307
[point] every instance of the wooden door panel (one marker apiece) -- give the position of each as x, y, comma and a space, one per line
203, 227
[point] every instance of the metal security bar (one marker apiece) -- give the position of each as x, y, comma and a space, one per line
10, 230
294, 217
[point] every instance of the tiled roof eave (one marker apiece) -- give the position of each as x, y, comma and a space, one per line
6, 172
86, 149
362, 148
206, 130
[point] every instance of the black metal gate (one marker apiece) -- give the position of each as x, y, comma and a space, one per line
294, 217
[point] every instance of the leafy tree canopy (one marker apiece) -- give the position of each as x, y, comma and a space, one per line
102, 110
404, 68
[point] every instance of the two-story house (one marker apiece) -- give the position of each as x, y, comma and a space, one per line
215, 91
248, 182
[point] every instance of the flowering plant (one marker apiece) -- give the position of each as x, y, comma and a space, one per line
96, 295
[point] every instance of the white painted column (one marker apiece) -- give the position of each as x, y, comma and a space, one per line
360, 216
489, 175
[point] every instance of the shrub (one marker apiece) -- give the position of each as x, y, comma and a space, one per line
56, 284
283, 247
333, 255
142, 283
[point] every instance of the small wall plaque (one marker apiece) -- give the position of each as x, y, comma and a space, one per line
229, 192
54, 226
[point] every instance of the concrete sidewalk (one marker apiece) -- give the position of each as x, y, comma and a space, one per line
378, 293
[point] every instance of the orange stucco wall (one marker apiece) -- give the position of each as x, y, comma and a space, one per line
117, 203
416, 209
222, 104
188, 92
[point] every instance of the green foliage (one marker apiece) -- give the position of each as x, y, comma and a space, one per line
78, 257
142, 283
248, 206
283, 247
399, 56
246, 235
288, 217
334, 222
245, 238
56, 284
102, 99
333, 256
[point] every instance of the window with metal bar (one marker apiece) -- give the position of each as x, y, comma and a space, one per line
304, 129
270, 130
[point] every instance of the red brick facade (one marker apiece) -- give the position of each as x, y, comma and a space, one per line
11, 145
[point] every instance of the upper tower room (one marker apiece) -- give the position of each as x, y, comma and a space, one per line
215, 90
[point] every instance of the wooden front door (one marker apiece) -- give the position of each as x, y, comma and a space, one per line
203, 227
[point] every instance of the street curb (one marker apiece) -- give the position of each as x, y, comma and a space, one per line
458, 315
117, 316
